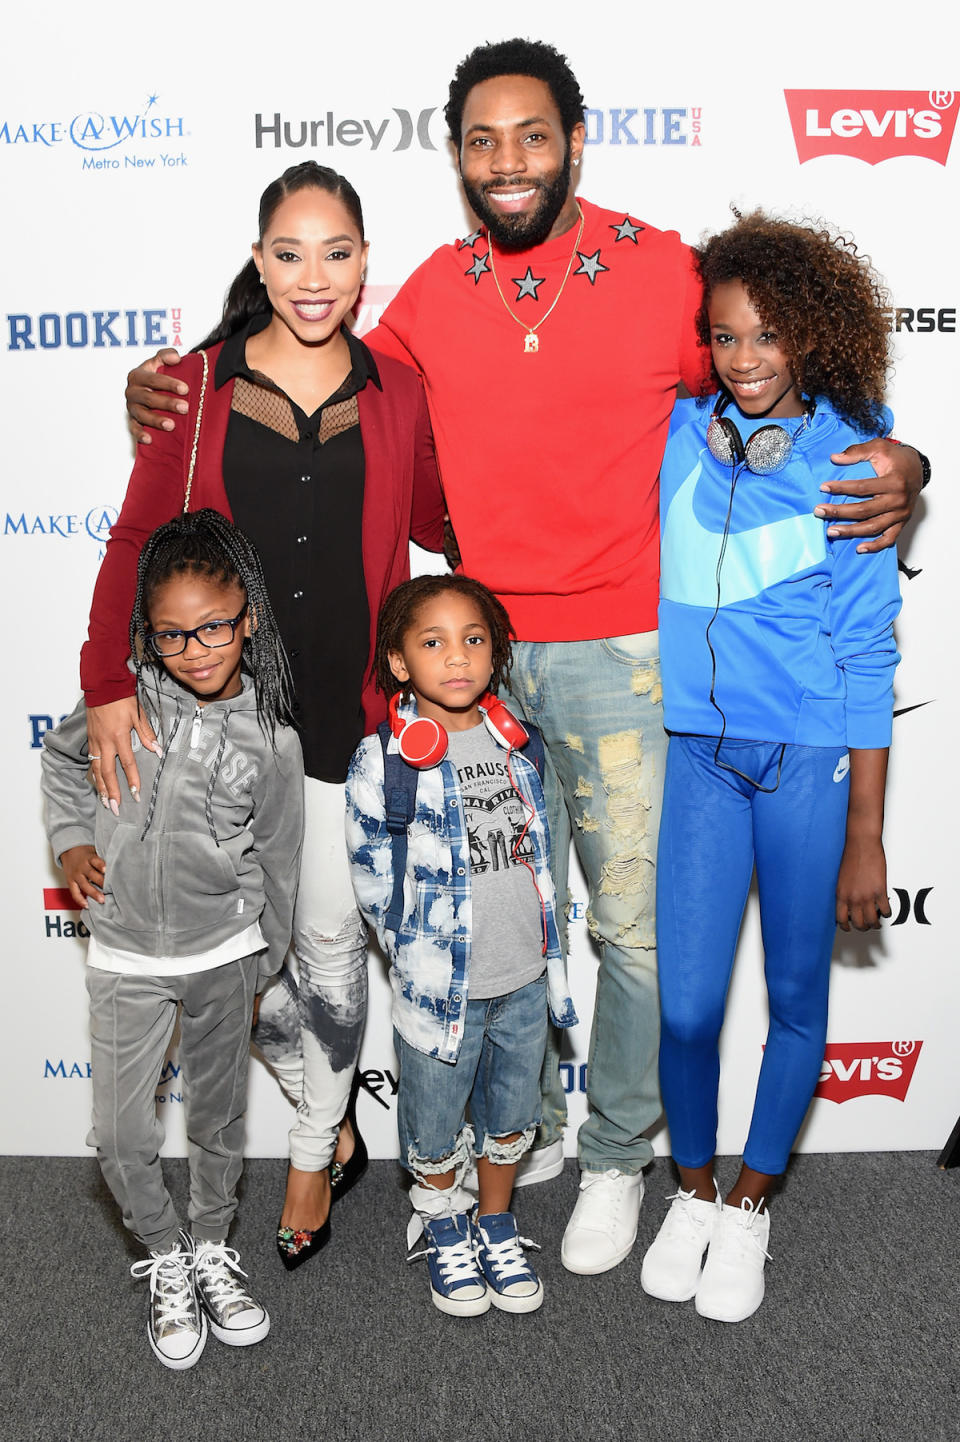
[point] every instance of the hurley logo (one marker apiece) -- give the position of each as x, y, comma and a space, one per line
872, 125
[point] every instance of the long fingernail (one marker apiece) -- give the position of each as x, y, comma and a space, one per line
135, 792
104, 801
155, 746
115, 807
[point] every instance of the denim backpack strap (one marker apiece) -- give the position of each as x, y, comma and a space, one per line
400, 802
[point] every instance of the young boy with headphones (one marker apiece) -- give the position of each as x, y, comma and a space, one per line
449, 849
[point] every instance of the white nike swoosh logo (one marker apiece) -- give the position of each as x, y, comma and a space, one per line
755, 559
843, 766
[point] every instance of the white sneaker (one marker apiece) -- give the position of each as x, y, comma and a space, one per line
671, 1267
731, 1283
540, 1164
603, 1227
176, 1324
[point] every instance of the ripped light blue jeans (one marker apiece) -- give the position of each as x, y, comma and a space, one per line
598, 705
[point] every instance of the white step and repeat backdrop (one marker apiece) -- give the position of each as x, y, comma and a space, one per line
132, 156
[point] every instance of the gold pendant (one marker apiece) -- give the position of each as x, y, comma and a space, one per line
531, 343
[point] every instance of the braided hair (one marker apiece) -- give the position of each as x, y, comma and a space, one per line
206, 543
399, 613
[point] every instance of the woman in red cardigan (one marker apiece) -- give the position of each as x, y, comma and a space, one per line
324, 457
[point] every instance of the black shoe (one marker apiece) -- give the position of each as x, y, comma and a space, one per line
344, 1176
297, 1247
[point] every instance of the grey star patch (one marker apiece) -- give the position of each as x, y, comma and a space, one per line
469, 240
590, 265
527, 284
478, 267
626, 230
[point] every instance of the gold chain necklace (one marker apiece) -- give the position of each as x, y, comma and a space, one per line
531, 341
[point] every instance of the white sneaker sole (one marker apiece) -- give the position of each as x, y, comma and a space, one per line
245, 1338
180, 1364
518, 1304
475, 1307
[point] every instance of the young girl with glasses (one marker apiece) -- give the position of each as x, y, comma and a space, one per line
192, 902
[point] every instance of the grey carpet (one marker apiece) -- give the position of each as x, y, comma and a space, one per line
857, 1340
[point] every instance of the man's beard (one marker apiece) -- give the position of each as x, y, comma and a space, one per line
522, 232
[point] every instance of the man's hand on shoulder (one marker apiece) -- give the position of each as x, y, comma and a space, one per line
891, 497
151, 397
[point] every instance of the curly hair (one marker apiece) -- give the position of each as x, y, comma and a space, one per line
515, 57
399, 613
207, 544
821, 296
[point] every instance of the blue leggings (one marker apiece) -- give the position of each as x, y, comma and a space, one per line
715, 827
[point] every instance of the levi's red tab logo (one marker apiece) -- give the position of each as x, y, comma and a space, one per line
872, 125
58, 898
865, 1068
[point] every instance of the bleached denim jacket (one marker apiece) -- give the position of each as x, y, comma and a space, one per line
430, 954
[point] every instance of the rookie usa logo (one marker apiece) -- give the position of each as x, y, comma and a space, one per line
872, 125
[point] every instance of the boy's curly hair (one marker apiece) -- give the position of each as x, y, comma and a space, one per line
515, 57
821, 296
399, 612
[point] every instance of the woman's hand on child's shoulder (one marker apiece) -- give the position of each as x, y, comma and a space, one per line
85, 872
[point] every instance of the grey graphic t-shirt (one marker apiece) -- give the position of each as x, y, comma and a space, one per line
507, 935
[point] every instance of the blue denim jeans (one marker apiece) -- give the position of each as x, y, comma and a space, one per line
497, 1071
598, 705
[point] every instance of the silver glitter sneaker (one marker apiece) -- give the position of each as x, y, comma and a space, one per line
176, 1325
235, 1316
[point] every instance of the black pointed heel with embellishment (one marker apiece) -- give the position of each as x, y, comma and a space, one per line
297, 1245
344, 1176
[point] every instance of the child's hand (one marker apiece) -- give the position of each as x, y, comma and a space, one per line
862, 885
84, 871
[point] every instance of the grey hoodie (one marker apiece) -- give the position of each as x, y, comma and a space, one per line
213, 844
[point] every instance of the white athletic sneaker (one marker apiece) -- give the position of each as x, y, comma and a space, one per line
731, 1283
236, 1317
176, 1324
603, 1227
540, 1164
671, 1267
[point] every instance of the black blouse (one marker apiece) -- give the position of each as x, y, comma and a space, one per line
295, 487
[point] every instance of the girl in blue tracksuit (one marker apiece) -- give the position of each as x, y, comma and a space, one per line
778, 659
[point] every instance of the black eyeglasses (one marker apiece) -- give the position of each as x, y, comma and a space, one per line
211, 634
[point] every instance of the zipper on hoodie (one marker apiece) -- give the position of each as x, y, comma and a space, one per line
195, 729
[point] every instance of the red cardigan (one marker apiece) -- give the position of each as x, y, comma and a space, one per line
401, 500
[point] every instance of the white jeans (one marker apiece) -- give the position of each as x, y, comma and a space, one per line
312, 1014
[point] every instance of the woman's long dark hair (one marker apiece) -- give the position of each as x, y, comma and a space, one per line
207, 544
246, 297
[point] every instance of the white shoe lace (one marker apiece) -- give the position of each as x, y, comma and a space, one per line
456, 1262
682, 1222
600, 1198
506, 1258
216, 1264
170, 1287
738, 1239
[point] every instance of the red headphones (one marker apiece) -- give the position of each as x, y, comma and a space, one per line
423, 741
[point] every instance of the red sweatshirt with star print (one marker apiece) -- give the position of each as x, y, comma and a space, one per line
549, 460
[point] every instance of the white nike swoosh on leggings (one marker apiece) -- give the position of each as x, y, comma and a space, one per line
755, 559
843, 766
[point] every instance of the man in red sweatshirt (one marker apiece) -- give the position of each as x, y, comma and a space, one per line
551, 342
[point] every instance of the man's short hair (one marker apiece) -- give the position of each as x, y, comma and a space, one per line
515, 57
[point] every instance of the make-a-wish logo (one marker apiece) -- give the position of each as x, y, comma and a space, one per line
644, 125
95, 525
98, 133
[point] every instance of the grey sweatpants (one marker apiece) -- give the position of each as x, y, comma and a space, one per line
131, 1022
